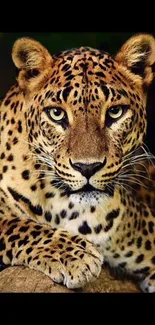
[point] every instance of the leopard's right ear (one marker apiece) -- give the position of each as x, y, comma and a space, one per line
138, 56
33, 61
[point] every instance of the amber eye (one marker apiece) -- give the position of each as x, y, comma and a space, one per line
115, 112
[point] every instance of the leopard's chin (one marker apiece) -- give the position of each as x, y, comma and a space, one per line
89, 195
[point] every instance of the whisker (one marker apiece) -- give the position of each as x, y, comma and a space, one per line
134, 181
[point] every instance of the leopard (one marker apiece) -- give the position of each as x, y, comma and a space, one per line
76, 180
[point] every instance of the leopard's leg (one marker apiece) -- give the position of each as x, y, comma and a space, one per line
65, 258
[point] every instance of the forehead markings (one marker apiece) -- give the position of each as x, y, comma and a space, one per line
105, 91
81, 64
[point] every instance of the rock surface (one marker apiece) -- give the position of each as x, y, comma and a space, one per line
21, 279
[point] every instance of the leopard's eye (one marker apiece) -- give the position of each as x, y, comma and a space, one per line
56, 114
115, 112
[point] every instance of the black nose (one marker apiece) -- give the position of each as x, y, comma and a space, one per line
88, 170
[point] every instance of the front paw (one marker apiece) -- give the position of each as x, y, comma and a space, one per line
148, 284
71, 260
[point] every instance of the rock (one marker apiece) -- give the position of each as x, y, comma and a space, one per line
22, 279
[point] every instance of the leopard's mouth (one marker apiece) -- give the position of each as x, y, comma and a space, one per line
85, 189
91, 190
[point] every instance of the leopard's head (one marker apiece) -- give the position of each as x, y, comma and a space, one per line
86, 110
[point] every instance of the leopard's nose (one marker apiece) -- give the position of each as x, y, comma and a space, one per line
88, 170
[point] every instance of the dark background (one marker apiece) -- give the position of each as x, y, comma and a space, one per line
58, 41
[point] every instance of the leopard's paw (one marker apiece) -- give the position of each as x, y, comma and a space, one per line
73, 262
148, 284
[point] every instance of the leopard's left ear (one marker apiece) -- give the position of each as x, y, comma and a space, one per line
138, 56
33, 62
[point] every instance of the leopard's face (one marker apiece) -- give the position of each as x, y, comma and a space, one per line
86, 117
84, 112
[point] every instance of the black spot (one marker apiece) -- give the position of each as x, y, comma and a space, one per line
47, 241
26, 174
129, 254
142, 270
5, 168
10, 158
29, 259
109, 226
33, 187
139, 242
153, 260
36, 209
2, 155
12, 121
17, 196
7, 102
140, 258
66, 93
19, 126
10, 231
63, 213
13, 221
84, 229
151, 226
62, 240
13, 237
48, 216
83, 244
9, 254
37, 166
15, 140
122, 92
49, 195
98, 228
47, 95
57, 219
2, 244
116, 255
29, 250
100, 74
69, 249
105, 91
112, 215
92, 209
65, 67
71, 205
130, 242
35, 234
74, 215
145, 232
148, 245
23, 229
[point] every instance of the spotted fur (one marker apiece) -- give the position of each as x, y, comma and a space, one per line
68, 194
